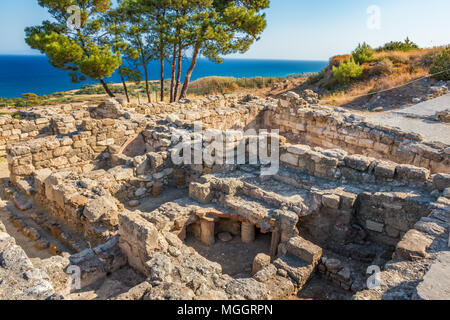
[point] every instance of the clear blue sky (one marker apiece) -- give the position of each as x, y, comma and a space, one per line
297, 29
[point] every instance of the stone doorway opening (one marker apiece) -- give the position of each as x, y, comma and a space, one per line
229, 242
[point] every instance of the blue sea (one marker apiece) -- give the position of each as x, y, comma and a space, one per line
34, 74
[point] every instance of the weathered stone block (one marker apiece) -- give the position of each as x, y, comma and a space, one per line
289, 158
385, 170
358, 162
441, 181
260, 262
101, 208
331, 201
413, 245
374, 226
409, 172
138, 239
304, 249
200, 192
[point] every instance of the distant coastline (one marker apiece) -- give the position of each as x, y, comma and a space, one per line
33, 74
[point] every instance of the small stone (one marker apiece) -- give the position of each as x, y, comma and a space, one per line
33, 274
282, 273
447, 193
435, 193
225, 236
133, 203
260, 262
54, 249
174, 252
41, 244
333, 265
344, 274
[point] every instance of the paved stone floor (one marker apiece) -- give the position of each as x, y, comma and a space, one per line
412, 119
436, 283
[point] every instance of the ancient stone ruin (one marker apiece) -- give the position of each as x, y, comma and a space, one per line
96, 208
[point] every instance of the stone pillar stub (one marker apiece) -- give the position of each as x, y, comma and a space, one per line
247, 232
207, 232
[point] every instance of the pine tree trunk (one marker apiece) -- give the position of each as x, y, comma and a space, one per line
162, 78
187, 79
179, 67
172, 80
105, 86
147, 88
125, 88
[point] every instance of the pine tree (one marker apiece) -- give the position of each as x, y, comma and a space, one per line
79, 51
225, 27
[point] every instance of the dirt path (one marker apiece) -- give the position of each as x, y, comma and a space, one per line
414, 119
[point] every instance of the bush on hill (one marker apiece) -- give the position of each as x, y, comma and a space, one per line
407, 45
363, 53
348, 71
441, 65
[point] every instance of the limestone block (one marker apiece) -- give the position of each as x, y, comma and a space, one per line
18, 150
385, 170
100, 208
260, 262
62, 151
441, 181
413, 245
358, 162
122, 173
331, 201
138, 239
304, 249
409, 172
374, 226
200, 192
289, 158
348, 200
23, 170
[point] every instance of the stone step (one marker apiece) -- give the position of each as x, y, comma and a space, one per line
34, 224
296, 268
292, 200
22, 202
249, 209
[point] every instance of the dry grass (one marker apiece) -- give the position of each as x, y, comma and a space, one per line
373, 86
407, 67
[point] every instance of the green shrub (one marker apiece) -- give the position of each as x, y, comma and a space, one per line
441, 65
348, 71
363, 53
31, 99
407, 45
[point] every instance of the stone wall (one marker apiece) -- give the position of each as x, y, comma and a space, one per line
14, 130
208, 103
385, 214
337, 128
336, 164
80, 151
82, 204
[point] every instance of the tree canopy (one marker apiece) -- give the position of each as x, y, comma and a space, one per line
133, 33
